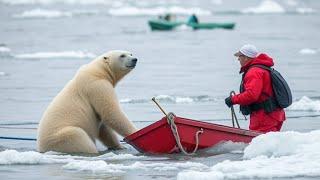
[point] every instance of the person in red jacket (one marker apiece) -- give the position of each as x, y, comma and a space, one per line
256, 94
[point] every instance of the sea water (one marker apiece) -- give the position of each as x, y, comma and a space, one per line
44, 42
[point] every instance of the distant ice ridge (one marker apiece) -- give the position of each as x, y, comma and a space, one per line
63, 54
308, 51
136, 11
266, 6
271, 155
305, 104
172, 99
43, 13
46, 2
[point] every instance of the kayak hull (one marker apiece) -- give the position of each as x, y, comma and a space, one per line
211, 25
157, 138
164, 25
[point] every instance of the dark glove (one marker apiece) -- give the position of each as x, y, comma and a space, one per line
228, 101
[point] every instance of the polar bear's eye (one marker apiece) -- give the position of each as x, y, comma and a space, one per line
122, 56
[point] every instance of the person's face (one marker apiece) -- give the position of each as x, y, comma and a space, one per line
243, 59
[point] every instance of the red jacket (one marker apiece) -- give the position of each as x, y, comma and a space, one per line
258, 87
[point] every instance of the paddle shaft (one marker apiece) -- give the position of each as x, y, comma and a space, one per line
154, 100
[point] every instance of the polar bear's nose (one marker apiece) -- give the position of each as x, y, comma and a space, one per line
134, 60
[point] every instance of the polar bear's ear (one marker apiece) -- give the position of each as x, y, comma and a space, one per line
106, 59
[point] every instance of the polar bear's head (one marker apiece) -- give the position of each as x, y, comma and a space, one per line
120, 60
119, 63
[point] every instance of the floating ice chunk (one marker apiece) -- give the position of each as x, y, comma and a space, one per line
272, 155
94, 166
4, 49
63, 54
135, 11
43, 13
9, 157
46, 2
266, 6
104, 167
3, 73
291, 2
305, 10
305, 104
113, 156
216, 2
308, 51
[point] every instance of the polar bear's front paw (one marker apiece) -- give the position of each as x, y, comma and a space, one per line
120, 147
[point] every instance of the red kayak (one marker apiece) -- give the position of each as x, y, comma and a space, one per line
158, 138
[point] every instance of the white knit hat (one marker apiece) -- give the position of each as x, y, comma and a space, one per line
247, 50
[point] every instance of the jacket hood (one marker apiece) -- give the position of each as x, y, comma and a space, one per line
262, 59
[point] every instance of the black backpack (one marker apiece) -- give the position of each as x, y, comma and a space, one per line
282, 92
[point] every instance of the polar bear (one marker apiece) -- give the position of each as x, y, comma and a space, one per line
87, 108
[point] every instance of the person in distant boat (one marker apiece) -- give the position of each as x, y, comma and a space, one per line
193, 19
169, 17
256, 95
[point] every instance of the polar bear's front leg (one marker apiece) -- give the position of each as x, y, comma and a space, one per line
109, 138
104, 101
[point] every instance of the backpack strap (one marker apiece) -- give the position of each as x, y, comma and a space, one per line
269, 105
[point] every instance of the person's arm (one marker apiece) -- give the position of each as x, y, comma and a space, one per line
253, 84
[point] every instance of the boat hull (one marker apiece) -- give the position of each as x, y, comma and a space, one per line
163, 25
211, 25
157, 138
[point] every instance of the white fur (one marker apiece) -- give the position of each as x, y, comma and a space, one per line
87, 108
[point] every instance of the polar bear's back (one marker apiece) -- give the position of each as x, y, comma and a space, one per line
74, 112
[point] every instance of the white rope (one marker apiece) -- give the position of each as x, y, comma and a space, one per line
170, 119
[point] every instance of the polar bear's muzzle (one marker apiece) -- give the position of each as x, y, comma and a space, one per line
131, 63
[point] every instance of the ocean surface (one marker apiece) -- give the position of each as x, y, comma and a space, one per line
44, 42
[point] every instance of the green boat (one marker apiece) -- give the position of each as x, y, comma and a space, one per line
196, 26
164, 25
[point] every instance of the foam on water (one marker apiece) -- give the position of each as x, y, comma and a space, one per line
216, 2
12, 157
172, 99
3, 73
4, 49
308, 51
266, 6
305, 10
271, 155
46, 2
104, 167
136, 11
112, 156
43, 13
63, 54
305, 104
291, 2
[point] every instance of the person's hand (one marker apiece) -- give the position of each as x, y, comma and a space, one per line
228, 101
